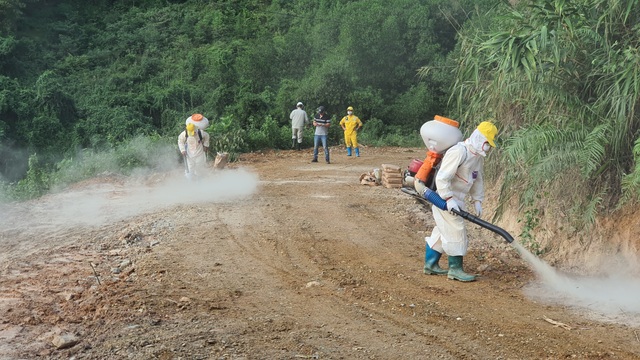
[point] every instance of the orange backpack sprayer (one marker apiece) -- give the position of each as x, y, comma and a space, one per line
438, 135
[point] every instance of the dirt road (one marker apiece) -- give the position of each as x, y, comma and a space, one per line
310, 265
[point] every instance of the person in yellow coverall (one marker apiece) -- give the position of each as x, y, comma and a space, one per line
351, 124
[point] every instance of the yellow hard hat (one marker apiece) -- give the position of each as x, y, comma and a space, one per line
191, 129
350, 108
489, 131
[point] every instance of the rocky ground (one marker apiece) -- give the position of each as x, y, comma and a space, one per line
308, 264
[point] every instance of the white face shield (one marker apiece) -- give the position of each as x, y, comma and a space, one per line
349, 112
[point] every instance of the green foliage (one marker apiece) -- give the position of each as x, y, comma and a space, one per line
10, 11
227, 136
34, 184
530, 222
375, 133
414, 107
142, 153
375, 129
131, 156
269, 135
104, 127
7, 46
562, 78
586, 211
548, 151
5, 190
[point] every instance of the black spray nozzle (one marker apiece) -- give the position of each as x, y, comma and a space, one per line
435, 199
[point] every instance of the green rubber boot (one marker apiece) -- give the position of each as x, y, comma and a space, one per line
456, 272
431, 258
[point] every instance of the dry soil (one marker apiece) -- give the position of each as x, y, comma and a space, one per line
311, 265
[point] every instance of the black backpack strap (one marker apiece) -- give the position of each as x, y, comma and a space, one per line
186, 134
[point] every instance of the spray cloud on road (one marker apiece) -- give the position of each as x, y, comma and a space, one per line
612, 297
107, 202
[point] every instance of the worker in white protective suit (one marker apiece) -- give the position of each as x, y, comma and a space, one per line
460, 174
193, 144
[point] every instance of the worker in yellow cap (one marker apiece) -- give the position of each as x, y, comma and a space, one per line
460, 174
351, 124
193, 143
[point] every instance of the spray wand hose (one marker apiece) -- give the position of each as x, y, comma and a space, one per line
431, 197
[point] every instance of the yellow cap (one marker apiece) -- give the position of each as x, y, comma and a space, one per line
350, 108
489, 131
191, 129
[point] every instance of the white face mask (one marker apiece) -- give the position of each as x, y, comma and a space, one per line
349, 112
486, 147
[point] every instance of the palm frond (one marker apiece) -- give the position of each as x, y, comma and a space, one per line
586, 212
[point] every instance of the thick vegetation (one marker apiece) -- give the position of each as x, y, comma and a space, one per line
563, 78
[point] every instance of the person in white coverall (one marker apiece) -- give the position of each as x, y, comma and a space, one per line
460, 174
299, 119
194, 144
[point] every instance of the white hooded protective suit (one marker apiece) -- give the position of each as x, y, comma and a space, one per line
196, 156
460, 174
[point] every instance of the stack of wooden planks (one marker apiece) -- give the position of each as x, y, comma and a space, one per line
391, 176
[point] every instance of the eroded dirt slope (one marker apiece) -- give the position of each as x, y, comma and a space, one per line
312, 265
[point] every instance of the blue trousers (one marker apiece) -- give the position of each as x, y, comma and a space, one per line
316, 141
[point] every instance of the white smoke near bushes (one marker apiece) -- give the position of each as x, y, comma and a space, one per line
36, 224
92, 190
14, 161
139, 156
107, 201
611, 297
4, 197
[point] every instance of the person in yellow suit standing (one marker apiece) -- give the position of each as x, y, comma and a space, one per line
351, 124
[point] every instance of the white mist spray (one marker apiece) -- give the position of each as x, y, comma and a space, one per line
612, 297
109, 202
